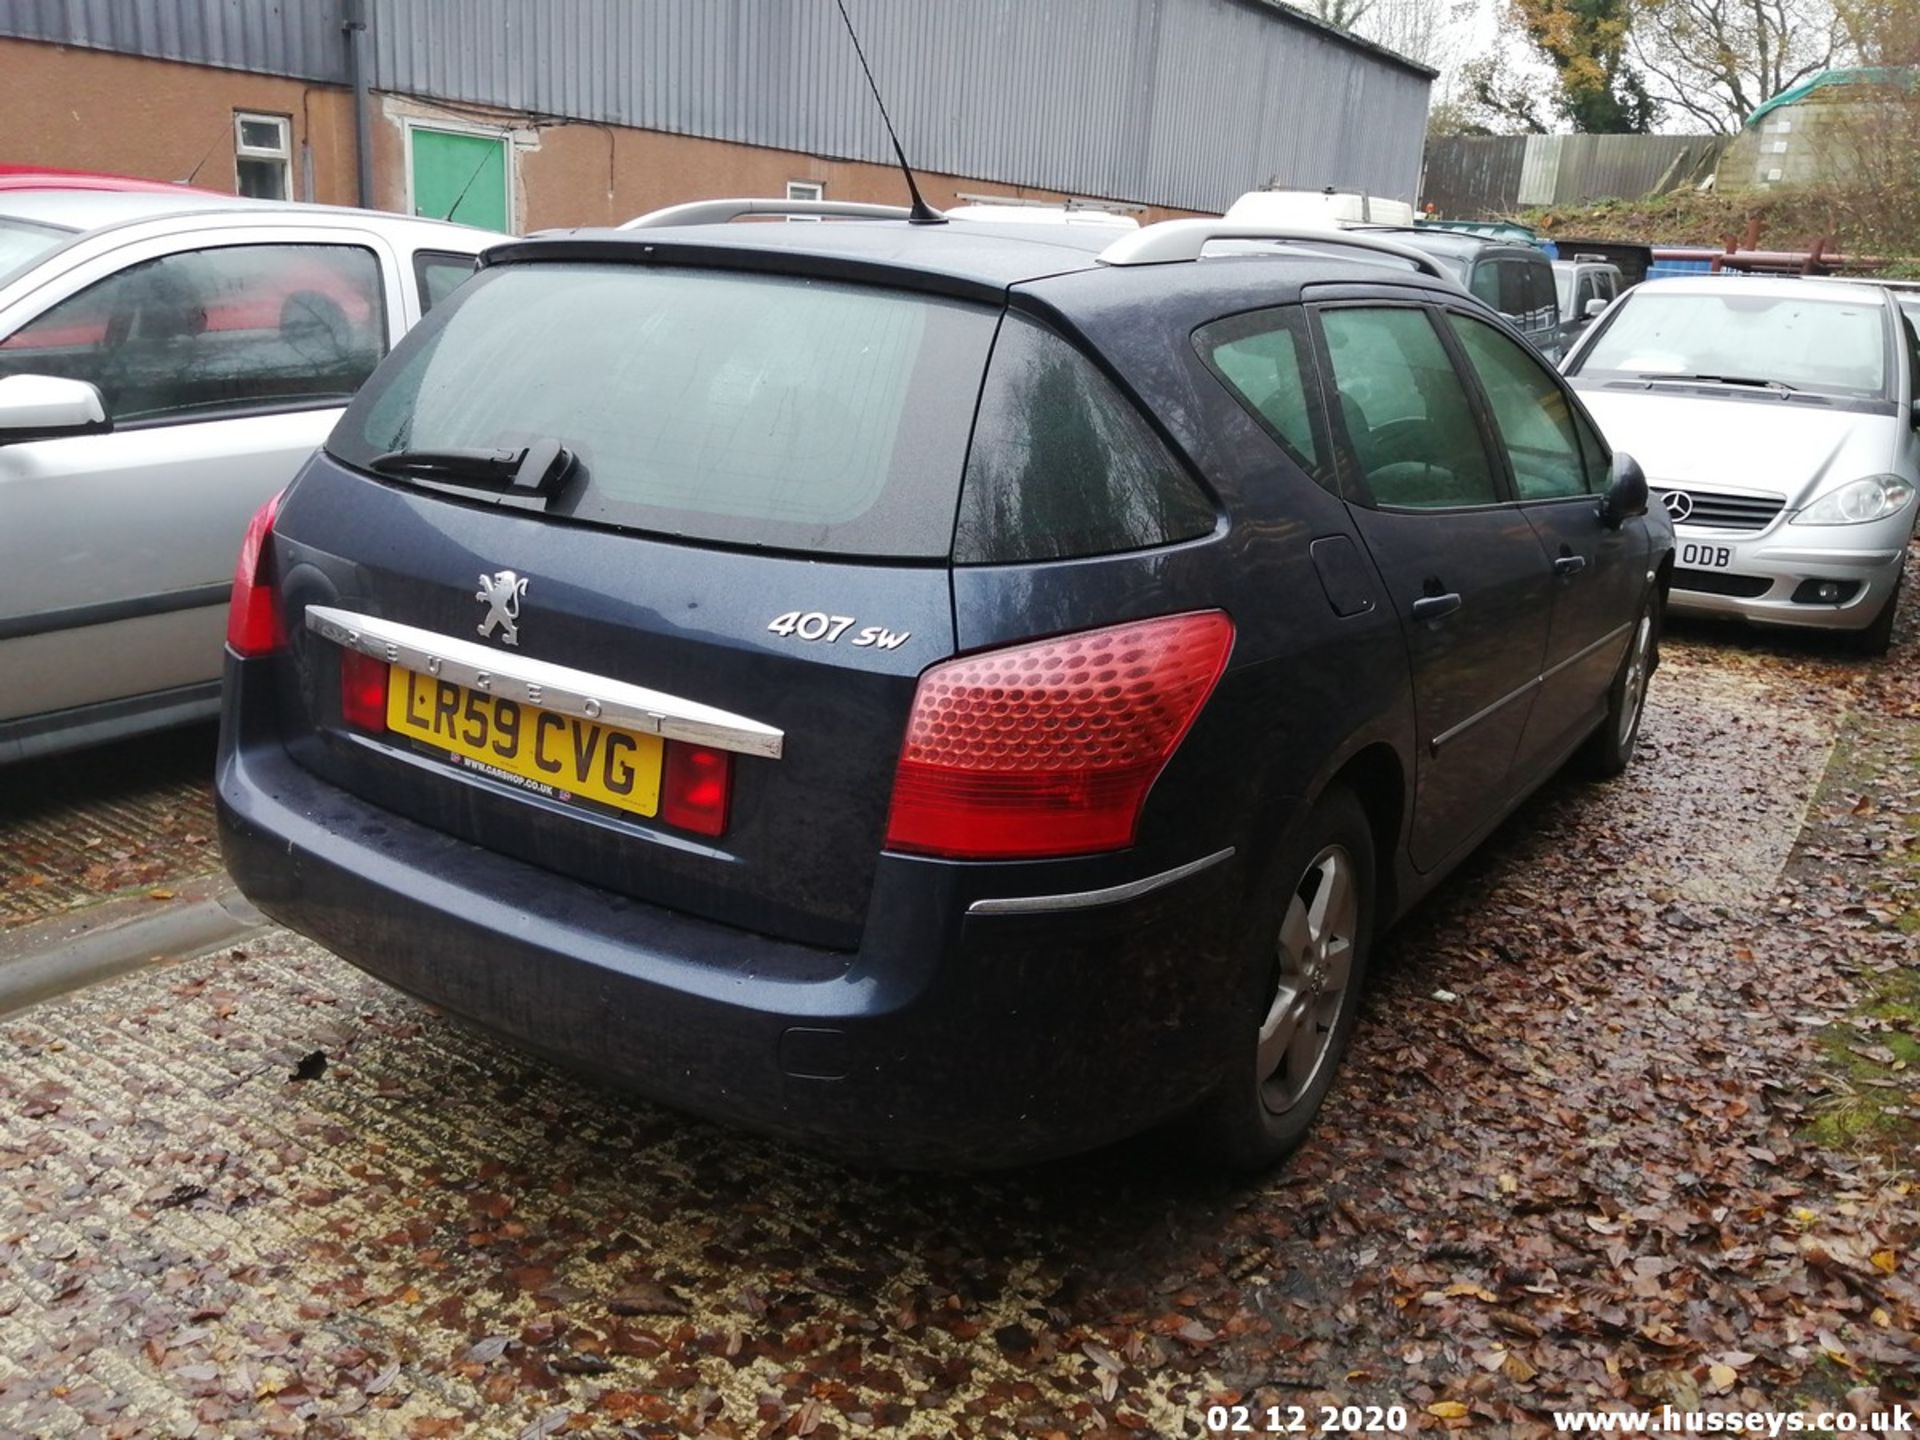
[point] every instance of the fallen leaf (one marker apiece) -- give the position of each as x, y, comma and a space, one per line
486, 1351
644, 1297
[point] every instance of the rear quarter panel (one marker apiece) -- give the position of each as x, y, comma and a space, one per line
1304, 688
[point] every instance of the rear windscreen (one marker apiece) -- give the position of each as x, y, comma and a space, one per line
760, 410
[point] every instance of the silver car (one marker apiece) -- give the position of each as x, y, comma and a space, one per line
1777, 423
167, 362
1585, 286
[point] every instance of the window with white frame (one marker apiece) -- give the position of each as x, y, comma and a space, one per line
806, 190
263, 156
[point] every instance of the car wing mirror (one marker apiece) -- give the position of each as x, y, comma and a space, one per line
1594, 308
48, 407
1626, 494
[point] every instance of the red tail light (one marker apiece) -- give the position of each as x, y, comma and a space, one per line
253, 615
693, 788
1051, 748
363, 691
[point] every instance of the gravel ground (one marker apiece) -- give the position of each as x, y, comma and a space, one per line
1570, 1164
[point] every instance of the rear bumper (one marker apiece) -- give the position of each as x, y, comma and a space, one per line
948, 1039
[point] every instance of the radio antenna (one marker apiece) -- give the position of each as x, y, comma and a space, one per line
921, 212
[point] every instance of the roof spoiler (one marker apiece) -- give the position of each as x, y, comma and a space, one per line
1175, 240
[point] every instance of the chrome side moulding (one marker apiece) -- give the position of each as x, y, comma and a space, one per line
544, 685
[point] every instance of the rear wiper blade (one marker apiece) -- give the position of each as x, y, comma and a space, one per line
1753, 380
538, 469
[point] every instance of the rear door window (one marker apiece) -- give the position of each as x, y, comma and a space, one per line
1063, 464
1531, 411
1261, 358
239, 328
1408, 420
759, 410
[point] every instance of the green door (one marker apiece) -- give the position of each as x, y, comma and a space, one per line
460, 177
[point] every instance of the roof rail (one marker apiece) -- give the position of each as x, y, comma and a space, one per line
719, 212
1172, 240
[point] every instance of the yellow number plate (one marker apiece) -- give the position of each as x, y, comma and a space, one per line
553, 752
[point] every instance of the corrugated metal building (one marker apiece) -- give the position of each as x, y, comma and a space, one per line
603, 107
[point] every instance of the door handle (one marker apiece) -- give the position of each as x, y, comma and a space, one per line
1435, 607
1569, 564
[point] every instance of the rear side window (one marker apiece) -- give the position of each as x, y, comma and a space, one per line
1064, 465
238, 328
757, 410
22, 242
440, 273
1406, 413
1532, 412
1261, 359
1486, 284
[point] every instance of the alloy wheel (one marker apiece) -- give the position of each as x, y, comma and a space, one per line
1314, 963
1636, 681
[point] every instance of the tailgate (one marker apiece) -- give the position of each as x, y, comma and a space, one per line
815, 659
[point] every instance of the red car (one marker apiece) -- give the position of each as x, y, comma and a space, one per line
37, 177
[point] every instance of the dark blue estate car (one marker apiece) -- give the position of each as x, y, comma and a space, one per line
948, 693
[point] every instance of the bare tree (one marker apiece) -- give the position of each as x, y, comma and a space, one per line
1881, 32
1428, 31
1718, 60
1341, 14
1870, 134
1494, 100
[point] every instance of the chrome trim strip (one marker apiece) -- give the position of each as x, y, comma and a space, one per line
1579, 655
1456, 731
1090, 899
544, 685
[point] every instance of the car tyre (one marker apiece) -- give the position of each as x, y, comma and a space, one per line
1306, 944
1610, 749
1877, 638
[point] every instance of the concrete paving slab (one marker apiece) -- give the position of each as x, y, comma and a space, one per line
82, 947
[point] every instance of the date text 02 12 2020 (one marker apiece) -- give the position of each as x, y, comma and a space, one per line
1301, 1420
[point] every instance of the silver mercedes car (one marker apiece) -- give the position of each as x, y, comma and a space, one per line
1778, 421
168, 359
